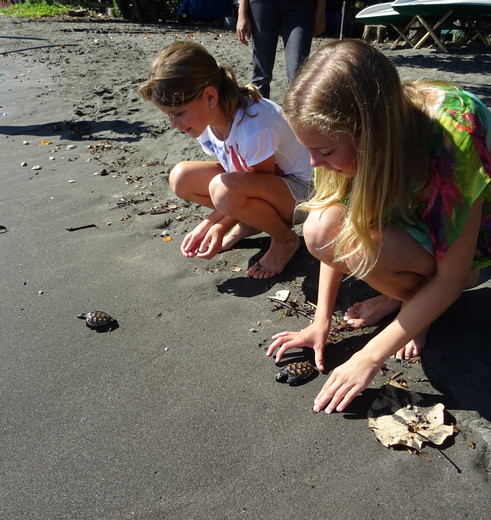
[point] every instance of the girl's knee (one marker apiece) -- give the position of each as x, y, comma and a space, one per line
225, 194
178, 179
320, 231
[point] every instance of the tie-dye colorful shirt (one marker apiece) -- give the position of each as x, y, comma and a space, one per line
461, 167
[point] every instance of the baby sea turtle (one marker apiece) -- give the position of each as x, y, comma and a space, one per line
98, 320
295, 373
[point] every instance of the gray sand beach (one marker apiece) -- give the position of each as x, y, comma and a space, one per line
175, 414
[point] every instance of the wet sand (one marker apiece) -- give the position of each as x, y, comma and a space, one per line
176, 413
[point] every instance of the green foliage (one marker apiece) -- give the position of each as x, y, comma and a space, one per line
117, 11
36, 9
163, 9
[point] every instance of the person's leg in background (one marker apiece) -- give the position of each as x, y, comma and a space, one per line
265, 20
297, 32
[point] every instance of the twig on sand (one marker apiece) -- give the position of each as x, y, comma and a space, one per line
293, 308
81, 227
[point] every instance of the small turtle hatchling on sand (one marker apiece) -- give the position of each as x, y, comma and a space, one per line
295, 373
97, 320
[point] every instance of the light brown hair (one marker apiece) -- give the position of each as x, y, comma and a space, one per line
352, 88
181, 72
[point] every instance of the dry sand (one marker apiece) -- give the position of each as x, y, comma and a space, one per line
176, 414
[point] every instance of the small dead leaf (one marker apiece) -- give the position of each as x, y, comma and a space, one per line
45, 143
396, 419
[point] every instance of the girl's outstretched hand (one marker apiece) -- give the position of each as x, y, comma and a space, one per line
211, 244
203, 241
345, 382
314, 336
192, 241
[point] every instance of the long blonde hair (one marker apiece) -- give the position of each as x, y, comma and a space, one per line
349, 87
181, 72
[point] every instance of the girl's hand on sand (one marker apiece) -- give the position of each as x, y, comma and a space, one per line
211, 243
314, 336
189, 246
345, 383
192, 241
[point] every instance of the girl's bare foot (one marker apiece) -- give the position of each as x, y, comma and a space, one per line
371, 311
236, 234
362, 314
413, 348
275, 258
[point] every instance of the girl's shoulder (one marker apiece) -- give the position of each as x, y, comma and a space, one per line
452, 107
454, 99
263, 108
261, 114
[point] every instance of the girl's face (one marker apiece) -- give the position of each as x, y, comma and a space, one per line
192, 117
334, 151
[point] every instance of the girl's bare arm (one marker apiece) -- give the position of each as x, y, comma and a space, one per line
415, 316
266, 166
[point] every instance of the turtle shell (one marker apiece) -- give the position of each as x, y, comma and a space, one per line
295, 373
96, 319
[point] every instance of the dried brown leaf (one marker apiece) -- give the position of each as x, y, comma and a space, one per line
396, 419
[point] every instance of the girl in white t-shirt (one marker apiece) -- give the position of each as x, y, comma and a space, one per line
262, 171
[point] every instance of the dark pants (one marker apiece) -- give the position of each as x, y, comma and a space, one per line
290, 19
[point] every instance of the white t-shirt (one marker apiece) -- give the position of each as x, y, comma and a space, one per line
253, 139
